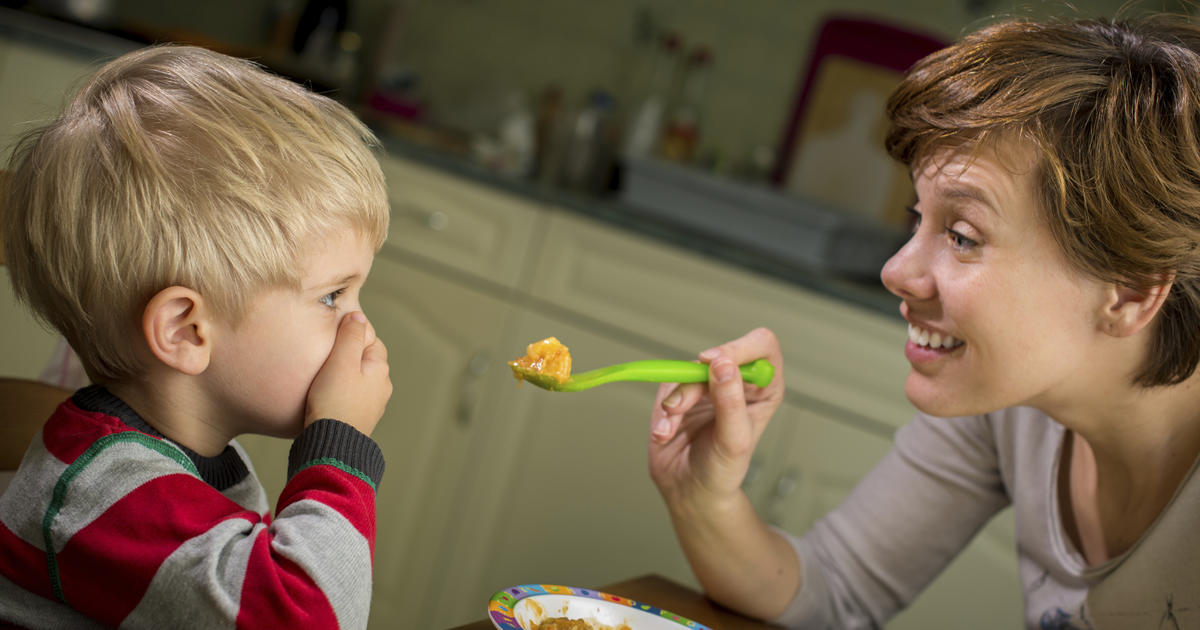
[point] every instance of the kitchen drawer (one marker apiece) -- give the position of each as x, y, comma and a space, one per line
835, 352
454, 222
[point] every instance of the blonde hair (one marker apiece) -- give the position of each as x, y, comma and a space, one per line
175, 165
1113, 110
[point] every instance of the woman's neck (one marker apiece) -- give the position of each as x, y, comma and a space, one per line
1124, 458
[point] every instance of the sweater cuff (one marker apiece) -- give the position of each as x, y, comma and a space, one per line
329, 441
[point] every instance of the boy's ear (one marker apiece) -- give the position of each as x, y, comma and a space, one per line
176, 324
1127, 310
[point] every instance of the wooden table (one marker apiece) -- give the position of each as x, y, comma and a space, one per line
663, 593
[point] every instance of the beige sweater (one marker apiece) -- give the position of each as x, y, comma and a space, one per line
942, 481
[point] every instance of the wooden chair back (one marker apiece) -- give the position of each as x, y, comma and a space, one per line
24, 407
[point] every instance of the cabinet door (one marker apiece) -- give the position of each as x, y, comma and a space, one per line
441, 341
34, 85
28, 344
465, 226
821, 461
563, 493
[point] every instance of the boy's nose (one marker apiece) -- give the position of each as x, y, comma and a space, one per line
370, 338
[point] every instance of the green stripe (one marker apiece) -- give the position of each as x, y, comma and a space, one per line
338, 464
64, 481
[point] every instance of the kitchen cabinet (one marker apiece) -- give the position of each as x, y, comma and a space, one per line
28, 344
816, 463
33, 82
36, 84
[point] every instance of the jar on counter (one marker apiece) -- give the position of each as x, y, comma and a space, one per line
589, 159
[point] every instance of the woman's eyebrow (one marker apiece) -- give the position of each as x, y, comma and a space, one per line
970, 193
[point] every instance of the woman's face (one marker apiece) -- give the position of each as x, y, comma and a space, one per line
996, 315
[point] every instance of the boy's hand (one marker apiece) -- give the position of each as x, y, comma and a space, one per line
353, 385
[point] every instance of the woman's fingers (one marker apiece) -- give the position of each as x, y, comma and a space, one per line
733, 433
673, 402
756, 344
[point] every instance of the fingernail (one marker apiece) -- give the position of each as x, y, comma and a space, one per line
710, 354
662, 427
724, 370
673, 399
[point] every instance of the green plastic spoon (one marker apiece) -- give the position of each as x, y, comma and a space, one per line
758, 372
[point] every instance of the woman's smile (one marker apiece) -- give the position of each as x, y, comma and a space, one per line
925, 345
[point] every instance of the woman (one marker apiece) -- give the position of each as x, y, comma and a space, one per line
1052, 288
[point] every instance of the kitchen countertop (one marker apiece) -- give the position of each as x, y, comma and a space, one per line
866, 293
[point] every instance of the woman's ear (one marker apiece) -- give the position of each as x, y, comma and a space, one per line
176, 325
1127, 310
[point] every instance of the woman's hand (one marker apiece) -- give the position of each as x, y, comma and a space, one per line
703, 435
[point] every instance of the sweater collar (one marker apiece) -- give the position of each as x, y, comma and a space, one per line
221, 471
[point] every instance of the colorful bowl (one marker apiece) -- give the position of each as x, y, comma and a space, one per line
523, 607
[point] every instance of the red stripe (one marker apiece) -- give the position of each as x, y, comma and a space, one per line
278, 593
106, 567
349, 495
71, 430
24, 564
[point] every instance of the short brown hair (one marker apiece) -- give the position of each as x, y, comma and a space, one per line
1112, 108
176, 165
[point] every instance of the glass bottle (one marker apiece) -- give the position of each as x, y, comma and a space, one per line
681, 134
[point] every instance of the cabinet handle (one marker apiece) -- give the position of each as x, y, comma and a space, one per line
477, 367
435, 220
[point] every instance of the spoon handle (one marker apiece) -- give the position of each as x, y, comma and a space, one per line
758, 372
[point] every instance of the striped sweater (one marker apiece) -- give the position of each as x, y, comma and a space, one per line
108, 523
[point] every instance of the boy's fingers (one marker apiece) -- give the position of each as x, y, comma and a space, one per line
376, 352
351, 337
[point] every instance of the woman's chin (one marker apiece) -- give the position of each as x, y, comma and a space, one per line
938, 401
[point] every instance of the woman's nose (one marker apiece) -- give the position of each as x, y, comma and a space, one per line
907, 273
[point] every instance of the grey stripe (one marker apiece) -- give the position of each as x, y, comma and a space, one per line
200, 584
25, 609
116, 471
333, 553
248, 492
28, 495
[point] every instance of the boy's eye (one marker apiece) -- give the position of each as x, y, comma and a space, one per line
330, 299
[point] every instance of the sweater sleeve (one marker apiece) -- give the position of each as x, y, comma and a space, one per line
158, 547
900, 526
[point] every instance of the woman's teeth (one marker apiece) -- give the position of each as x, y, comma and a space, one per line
935, 340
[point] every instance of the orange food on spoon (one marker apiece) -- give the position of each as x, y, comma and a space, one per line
548, 357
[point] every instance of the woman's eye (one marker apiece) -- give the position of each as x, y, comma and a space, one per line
960, 241
330, 299
914, 219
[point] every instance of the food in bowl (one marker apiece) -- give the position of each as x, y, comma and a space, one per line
564, 623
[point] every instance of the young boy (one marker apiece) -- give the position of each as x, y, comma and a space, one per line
199, 231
